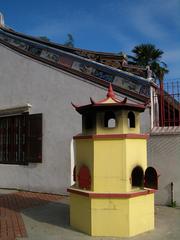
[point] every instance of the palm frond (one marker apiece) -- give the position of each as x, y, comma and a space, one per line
148, 54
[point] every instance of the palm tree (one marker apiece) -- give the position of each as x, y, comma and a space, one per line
159, 69
149, 55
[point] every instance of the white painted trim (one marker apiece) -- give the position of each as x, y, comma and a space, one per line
5, 111
72, 152
152, 107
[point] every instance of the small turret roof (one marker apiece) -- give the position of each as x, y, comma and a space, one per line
111, 102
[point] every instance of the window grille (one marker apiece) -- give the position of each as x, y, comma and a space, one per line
21, 139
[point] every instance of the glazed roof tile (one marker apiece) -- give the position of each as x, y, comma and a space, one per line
72, 60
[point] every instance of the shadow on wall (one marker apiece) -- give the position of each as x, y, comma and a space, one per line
168, 193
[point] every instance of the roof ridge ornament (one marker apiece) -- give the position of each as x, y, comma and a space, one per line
110, 93
109, 102
1, 20
74, 105
124, 101
92, 101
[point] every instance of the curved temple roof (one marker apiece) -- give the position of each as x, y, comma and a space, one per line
110, 102
94, 66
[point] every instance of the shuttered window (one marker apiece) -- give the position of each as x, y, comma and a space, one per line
34, 138
21, 139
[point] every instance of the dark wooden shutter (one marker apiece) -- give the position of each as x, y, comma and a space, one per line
23, 124
34, 138
1, 142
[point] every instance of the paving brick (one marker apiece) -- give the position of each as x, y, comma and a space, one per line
11, 222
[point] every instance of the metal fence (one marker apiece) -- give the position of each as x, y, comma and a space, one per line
168, 98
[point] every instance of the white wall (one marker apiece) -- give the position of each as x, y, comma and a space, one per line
164, 155
49, 91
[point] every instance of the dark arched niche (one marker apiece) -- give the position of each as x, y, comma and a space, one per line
109, 120
151, 178
74, 174
137, 177
88, 121
131, 120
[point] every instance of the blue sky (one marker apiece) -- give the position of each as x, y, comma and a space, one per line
102, 25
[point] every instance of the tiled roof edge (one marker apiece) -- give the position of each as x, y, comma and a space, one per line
82, 75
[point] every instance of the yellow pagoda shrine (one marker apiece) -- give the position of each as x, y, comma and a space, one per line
113, 194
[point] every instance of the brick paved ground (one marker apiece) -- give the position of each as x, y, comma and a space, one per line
11, 222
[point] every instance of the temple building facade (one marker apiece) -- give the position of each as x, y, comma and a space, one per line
39, 80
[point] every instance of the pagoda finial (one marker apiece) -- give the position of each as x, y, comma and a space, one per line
110, 92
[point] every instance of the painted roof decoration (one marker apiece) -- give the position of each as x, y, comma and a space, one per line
99, 67
111, 101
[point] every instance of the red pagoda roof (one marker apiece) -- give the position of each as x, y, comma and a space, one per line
109, 103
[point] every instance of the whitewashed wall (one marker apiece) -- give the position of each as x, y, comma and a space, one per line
164, 155
49, 91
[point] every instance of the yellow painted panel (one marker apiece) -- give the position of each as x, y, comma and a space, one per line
85, 155
109, 165
136, 155
84, 151
136, 152
110, 217
108, 157
110, 185
141, 214
110, 204
80, 213
114, 161
110, 223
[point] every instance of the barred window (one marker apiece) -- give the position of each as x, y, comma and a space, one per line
21, 139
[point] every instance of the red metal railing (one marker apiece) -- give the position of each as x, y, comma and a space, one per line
168, 98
